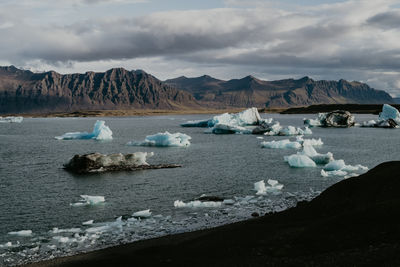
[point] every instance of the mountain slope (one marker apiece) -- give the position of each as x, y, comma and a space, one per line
250, 91
25, 91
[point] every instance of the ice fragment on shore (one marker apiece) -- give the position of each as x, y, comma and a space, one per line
300, 161
197, 204
100, 132
89, 200
164, 140
274, 187
21, 233
11, 119
142, 214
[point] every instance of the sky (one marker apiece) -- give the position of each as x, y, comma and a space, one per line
324, 39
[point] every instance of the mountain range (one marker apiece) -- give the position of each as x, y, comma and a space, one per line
22, 91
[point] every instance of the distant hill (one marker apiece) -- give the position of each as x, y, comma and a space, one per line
25, 91
250, 91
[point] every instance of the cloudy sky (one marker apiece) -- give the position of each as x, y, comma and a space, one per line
323, 39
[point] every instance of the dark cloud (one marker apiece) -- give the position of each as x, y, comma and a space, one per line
386, 20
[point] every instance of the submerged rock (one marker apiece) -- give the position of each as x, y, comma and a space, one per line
337, 118
96, 162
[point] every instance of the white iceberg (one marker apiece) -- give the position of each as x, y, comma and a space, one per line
164, 140
23, 233
274, 187
11, 119
100, 132
142, 214
285, 144
318, 158
89, 200
290, 130
197, 204
300, 161
389, 112
340, 167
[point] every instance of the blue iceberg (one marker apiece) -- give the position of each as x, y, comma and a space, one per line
164, 140
100, 132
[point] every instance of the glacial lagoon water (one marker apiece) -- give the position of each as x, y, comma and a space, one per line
36, 193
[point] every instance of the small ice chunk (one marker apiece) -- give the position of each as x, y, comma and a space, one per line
333, 173
100, 132
142, 214
290, 130
89, 200
274, 187
318, 158
21, 233
62, 239
164, 140
285, 144
70, 230
313, 142
11, 119
300, 161
6, 245
197, 204
340, 165
88, 222
228, 202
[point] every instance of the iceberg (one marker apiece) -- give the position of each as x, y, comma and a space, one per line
389, 112
337, 118
96, 162
312, 142
100, 132
11, 119
300, 161
333, 173
274, 187
142, 214
290, 130
247, 117
164, 140
230, 129
197, 204
340, 165
90, 222
23, 233
318, 158
89, 200
285, 144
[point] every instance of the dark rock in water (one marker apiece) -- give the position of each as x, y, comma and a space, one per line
96, 162
210, 198
338, 118
255, 214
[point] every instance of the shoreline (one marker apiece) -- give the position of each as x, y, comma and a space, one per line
352, 223
353, 108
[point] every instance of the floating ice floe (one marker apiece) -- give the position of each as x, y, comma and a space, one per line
197, 204
339, 168
388, 118
164, 140
21, 233
286, 143
100, 132
11, 119
312, 142
291, 130
89, 200
337, 118
70, 230
88, 222
142, 214
299, 161
274, 187
247, 117
318, 158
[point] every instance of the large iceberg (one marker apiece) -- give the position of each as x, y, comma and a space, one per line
388, 118
100, 132
11, 119
337, 118
164, 140
273, 187
299, 161
247, 117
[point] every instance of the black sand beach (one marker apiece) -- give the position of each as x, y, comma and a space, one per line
355, 222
